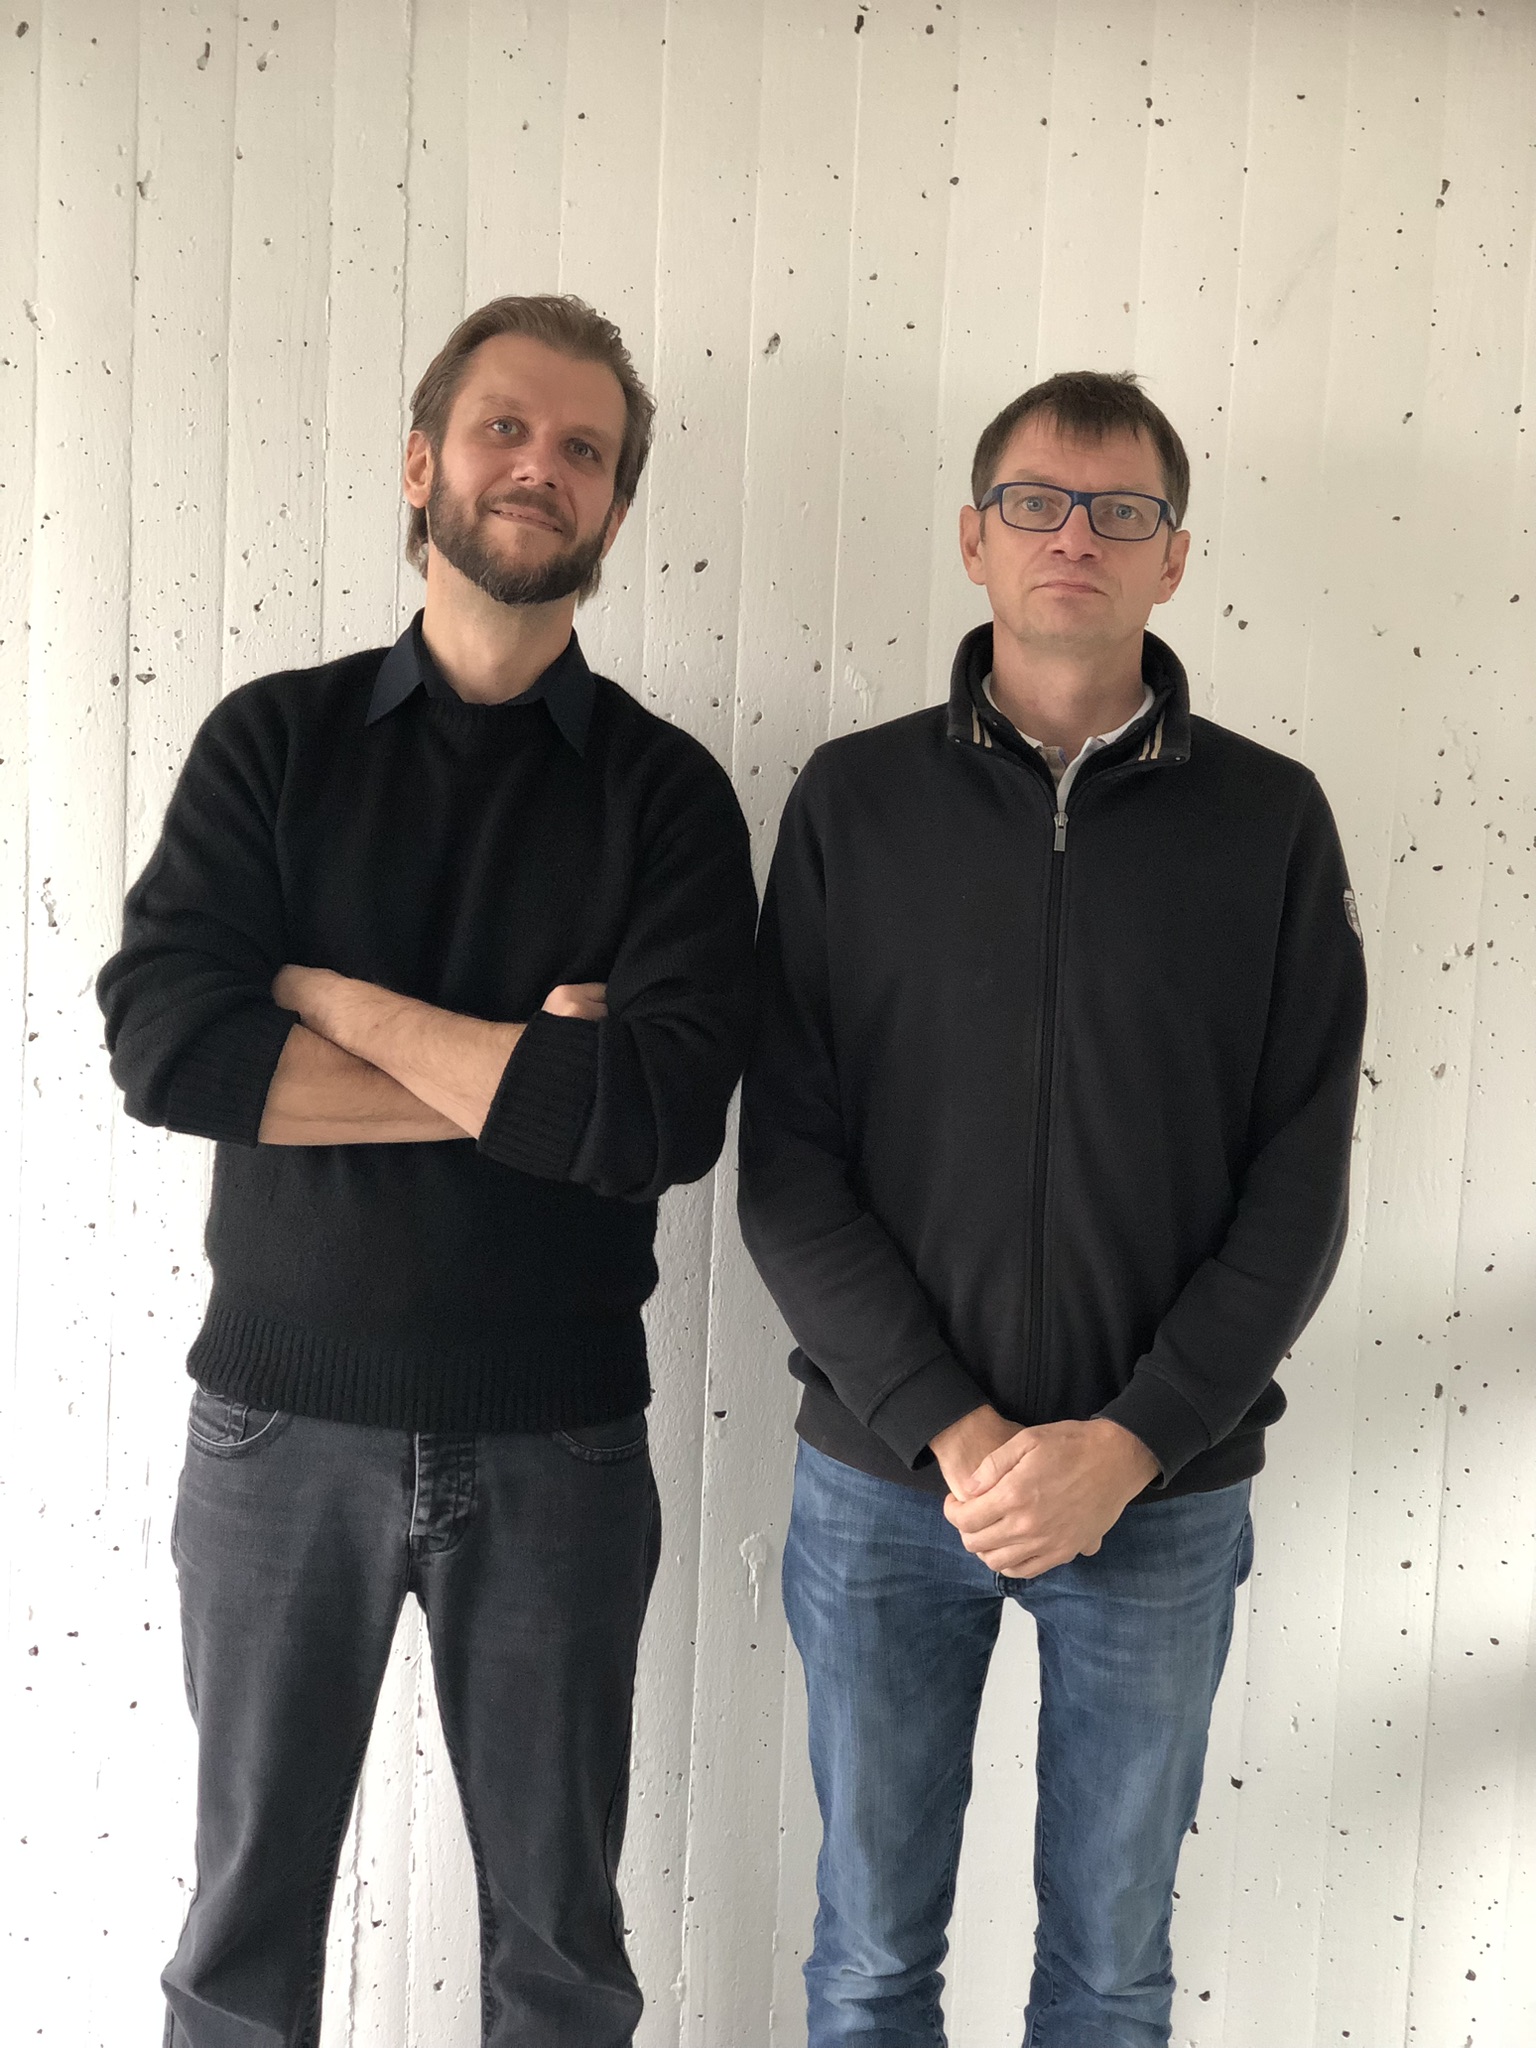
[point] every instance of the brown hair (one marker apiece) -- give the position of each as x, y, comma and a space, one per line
1088, 405
561, 322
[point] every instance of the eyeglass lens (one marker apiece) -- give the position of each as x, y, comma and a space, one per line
1113, 515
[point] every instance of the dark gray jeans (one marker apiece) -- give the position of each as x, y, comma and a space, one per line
296, 1543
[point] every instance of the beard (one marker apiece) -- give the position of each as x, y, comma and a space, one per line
454, 531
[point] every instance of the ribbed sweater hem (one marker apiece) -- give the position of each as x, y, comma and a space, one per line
552, 1375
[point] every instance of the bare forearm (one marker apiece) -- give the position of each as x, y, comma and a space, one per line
451, 1063
322, 1095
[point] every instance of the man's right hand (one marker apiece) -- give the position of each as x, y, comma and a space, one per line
586, 999
967, 1443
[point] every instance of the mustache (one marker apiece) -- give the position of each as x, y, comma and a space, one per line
530, 501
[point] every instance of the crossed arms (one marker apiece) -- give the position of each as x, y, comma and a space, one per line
365, 1066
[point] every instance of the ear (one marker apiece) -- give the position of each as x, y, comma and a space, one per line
971, 528
1173, 566
416, 480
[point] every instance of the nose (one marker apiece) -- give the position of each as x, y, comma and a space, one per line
1077, 538
536, 460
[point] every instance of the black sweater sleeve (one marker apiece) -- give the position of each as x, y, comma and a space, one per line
851, 1300
191, 1025
637, 1104
1217, 1348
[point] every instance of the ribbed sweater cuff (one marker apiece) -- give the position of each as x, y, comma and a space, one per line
219, 1088
541, 1108
1166, 1423
930, 1399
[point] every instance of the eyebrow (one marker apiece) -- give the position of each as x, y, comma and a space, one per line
1125, 490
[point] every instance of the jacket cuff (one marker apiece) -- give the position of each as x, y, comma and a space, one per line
545, 1097
928, 1400
219, 1088
1166, 1423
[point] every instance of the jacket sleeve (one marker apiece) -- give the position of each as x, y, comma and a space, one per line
851, 1300
637, 1104
191, 1026
1217, 1348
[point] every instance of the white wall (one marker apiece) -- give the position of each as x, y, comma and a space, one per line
229, 240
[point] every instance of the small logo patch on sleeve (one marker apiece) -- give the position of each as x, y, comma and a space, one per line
1352, 912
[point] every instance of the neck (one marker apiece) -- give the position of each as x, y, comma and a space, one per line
1065, 697
489, 652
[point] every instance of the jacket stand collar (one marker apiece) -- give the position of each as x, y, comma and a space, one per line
1162, 732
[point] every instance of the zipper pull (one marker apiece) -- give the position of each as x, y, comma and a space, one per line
1061, 832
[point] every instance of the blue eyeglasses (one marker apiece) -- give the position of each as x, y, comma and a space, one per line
1046, 508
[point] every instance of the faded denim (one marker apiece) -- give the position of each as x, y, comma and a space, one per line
895, 1622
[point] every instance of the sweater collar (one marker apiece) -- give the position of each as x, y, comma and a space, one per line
566, 686
1163, 728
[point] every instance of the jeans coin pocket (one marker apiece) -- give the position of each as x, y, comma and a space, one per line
604, 1443
227, 1428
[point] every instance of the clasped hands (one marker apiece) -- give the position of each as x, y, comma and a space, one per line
1025, 1500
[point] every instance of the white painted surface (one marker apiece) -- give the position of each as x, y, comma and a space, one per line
229, 243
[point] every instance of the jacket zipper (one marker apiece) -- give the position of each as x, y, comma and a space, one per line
1035, 1354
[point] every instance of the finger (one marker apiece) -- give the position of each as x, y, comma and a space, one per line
997, 1509
1023, 1563
998, 1462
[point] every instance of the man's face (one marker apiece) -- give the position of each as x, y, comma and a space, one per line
520, 496
1072, 592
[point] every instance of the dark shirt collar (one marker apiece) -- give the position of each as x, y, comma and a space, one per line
566, 686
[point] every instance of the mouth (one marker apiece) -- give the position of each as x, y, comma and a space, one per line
1073, 587
525, 515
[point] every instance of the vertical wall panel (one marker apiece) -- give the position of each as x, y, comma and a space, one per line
711, 79
836, 240
82, 1611
1097, 167
515, 122
995, 251
1486, 1544
908, 69
20, 64
609, 197
1198, 79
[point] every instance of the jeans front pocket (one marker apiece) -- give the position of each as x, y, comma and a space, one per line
226, 1428
605, 1443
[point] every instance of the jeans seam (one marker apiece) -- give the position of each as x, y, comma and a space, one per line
488, 2003
621, 1781
309, 2030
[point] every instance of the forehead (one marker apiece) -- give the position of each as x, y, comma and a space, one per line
517, 371
1039, 452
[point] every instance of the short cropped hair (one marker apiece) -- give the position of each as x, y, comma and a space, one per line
564, 323
1088, 405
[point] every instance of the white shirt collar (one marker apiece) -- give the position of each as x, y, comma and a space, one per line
1063, 771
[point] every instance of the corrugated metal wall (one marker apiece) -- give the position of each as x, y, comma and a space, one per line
837, 236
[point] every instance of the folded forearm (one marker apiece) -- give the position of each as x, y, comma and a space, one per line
323, 1095
453, 1064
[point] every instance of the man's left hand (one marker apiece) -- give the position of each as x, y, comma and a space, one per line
305, 989
1051, 1494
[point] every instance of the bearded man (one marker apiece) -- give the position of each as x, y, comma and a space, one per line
447, 946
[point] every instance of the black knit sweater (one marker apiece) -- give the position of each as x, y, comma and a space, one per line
473, 856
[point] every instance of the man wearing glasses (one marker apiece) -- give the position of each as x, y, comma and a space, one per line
1044, 1157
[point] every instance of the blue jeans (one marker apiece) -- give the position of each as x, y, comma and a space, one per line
895, 1622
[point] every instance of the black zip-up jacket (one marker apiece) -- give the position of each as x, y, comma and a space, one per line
1051, 1110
